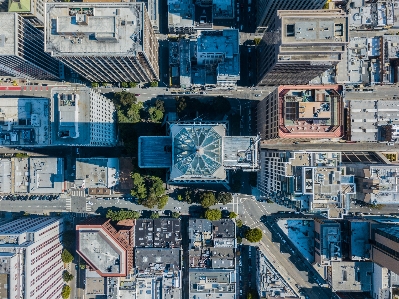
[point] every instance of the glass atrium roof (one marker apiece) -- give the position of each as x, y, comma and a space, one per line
197, 150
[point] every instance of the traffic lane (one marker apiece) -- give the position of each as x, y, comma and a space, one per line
280, 261
34, 206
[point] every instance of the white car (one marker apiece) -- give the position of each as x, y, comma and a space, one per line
257, 95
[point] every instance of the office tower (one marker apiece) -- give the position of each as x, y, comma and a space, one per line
103, 42
267, 10
21, 50
32, 10
30, 258
384, 247
301, 112
302, 45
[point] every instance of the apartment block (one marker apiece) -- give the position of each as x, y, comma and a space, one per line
158, 233
302, 45
107, 249
267, 9
308, 181
103, 42
301, 112
30, 258
21, 50
373, 120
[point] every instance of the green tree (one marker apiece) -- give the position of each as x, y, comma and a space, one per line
213, 214
179, 197
181, 104
149, 190
154, 84
139, 189
94, 84
66, 256
66, 276
128, 109
66, 292
160, 105
221, 105
122, 215
21, 155
104, 84
175, 215
155, 114
225, 197
163, 200
239, 223
132, 84
124, 84
253, 235
207, 199
232, 215
154, 215
239, 240
257, 41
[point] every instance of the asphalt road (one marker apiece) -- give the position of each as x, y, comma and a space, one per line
252, 213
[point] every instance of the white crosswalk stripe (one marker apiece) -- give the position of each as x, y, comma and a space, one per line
88, 207
68, 204
80, 193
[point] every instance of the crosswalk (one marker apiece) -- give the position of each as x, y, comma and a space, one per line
68, 204
80, 193
88, 207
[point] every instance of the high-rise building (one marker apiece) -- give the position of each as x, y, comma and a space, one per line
384, 247
103, 42
301, 45
30, 258
21, 50
32, 10
301, 112
267, 10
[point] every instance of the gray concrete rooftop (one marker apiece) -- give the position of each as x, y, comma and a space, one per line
101, 251
8, 23
94, 28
